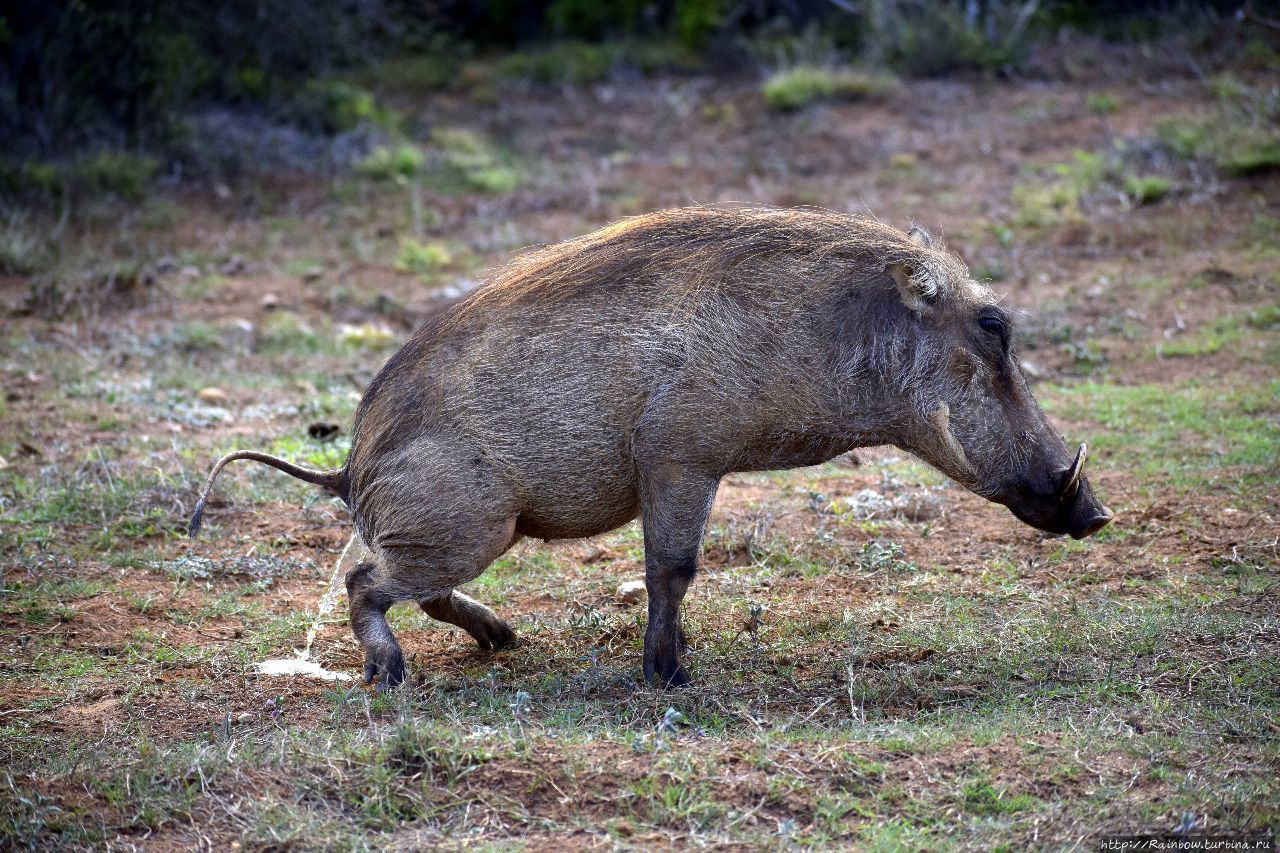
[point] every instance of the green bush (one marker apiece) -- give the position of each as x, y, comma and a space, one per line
336, 106
124, 175
797, 87
566, 63
931, 39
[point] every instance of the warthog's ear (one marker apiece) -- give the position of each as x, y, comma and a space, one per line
915, 283
921, 236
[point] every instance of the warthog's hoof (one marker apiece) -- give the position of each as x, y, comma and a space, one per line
494, 636
386, 663
671, 675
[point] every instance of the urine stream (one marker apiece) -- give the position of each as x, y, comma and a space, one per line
301, 663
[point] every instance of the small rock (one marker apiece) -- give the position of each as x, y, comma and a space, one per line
239, 334
222, 191
920, 506
270, 302
598, 554
632, 592
212, 396
189, 272
232, 265
312, 274
244, 718
4, 463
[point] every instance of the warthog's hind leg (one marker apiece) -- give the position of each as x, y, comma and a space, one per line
488, 629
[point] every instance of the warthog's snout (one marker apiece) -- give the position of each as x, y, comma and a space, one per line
1062, 503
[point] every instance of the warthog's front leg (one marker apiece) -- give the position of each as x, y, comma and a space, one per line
369, 601
674, 505
484, 626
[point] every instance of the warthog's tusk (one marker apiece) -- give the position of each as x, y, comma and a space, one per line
956, 458
1071, 479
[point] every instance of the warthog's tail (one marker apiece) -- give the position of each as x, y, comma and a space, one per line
335, 480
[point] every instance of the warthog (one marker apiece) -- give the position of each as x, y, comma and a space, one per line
624, 373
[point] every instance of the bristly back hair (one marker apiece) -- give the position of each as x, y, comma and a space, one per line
694, 248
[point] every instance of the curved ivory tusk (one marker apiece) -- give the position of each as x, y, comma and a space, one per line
956, 458
1071, 480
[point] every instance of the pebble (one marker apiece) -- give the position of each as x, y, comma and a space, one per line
212, 396
270, 302
244, 718
232, 265
632, 592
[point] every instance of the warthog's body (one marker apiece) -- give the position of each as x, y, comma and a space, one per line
624, 373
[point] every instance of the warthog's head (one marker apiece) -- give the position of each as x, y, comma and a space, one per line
970, 412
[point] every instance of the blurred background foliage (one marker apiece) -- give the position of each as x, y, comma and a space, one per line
109, 95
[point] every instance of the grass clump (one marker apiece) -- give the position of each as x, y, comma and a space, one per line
570, 63
800, 86
387, 163
115, 173
984, 799
23, 250
1101, 103
466, 161
1241, 138
1146, 189
336, 106
580, 63
1227, 331
418, 257
1056, 197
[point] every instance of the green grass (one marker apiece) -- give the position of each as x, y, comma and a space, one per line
1178, 435
418, 257
1146, 189
1240, 135
802, 85
1228, 331
1102, 103
577, 63
395, 162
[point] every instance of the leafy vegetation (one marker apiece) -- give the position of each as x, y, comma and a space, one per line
1241, 138
800, 86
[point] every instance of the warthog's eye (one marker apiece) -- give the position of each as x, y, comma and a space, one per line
994, 325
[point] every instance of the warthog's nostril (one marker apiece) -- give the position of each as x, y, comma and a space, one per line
1099, 521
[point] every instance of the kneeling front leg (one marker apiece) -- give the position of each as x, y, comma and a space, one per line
369, 603
485, 626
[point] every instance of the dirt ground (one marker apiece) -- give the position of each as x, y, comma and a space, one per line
881, 660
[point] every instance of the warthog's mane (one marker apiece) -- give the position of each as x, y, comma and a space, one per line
693, 250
